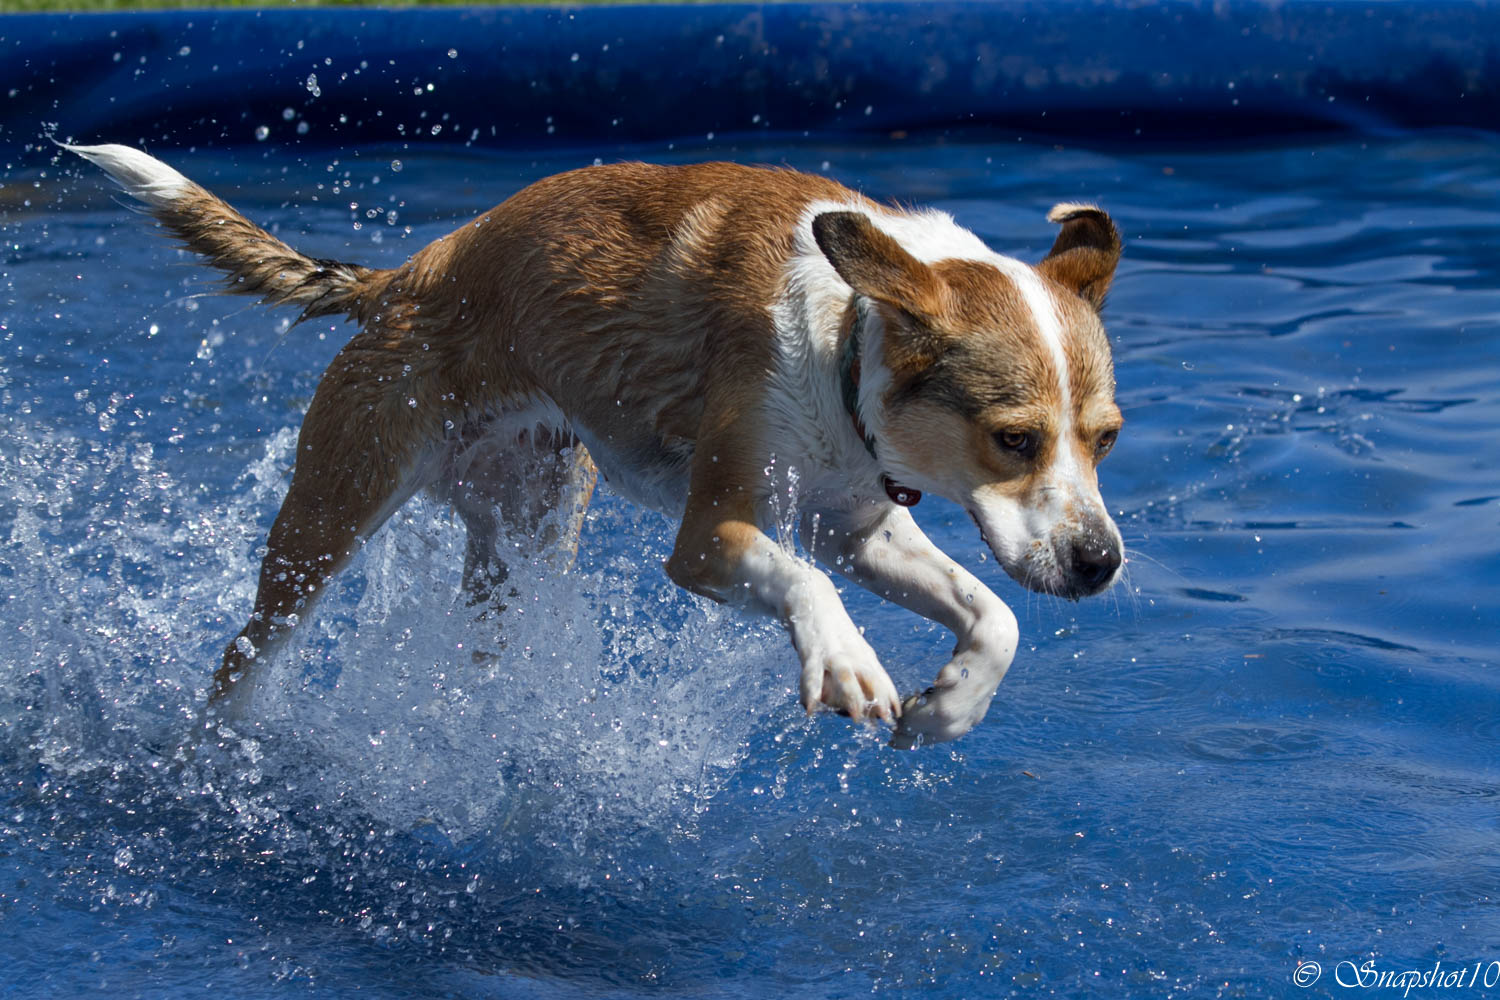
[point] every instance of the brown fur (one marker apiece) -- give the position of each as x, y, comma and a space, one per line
593, 287
1084, 255
636, 300
257, 263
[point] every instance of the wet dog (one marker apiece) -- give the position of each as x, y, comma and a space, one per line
683, 329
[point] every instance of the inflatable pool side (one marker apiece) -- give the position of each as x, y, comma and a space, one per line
540, 77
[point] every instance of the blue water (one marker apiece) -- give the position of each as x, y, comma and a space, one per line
1274, 742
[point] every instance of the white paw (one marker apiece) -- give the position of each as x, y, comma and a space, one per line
959, 697
844, 673
940, 714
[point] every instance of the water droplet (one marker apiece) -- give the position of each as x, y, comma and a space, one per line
262, 132
395, 169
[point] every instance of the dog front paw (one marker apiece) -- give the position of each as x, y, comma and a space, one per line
939, 715
958, 698
848, 678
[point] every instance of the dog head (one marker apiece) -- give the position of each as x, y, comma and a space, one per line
989, 382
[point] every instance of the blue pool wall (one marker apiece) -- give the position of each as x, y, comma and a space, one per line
521, 78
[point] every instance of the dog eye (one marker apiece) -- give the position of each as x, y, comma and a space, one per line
1021, 442
1105, 443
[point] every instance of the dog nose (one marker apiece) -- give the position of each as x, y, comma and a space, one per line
1095, 561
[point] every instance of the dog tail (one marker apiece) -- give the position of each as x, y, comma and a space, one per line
253, 261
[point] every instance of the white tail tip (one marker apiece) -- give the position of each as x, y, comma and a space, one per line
142, 176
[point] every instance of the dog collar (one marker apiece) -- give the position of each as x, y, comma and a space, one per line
849, 365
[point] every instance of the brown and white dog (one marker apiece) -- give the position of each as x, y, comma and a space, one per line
686, 328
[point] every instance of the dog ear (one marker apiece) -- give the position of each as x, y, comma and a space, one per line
1086, 252
876, 266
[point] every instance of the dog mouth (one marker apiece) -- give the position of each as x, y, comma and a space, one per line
983, 536
1081, 568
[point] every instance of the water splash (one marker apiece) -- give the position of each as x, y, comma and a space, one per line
600, 698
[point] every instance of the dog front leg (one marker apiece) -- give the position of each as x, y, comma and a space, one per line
720, 553
890, 556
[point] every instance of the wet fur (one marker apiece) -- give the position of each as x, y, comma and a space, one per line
680, 327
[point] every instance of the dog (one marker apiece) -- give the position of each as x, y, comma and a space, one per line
686, 331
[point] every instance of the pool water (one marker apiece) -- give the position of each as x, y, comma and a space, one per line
1274, 742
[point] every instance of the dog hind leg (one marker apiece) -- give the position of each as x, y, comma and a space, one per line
529, 492
356, 464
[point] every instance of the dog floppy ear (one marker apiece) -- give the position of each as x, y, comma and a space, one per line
1086, 252
876, 266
